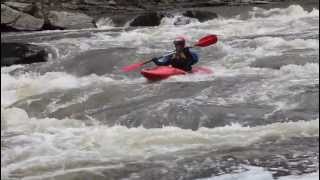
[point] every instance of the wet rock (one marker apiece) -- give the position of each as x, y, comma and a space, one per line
8, 15
24, 7
182, 21
18, 20
200, 15
147, 19
27, 22
69, 20
39, 10
21, 53
120, 20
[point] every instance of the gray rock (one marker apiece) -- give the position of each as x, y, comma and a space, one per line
8, 15
121, 19
22, 53
28, 22
200, 15
19, 20
147, 19
24, 7
182, 21
68, 20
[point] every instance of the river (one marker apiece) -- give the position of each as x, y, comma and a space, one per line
79, 117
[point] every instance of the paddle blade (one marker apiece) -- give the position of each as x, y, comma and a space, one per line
207, 41
131, 67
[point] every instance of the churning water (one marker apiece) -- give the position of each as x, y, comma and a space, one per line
79, 117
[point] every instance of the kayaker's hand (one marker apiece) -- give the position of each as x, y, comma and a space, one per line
154, 59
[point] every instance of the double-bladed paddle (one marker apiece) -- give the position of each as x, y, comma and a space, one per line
203, 42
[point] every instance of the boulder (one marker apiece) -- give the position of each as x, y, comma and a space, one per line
118, 20
22, 53
200, 15
39, 10
8, 15
18, 20
182, 20
69, 20
28, 22
147, 19
24, 7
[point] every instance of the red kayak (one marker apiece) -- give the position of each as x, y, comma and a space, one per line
163, 72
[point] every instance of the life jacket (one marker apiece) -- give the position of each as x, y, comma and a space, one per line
183, 61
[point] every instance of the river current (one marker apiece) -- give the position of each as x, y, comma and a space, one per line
79, 117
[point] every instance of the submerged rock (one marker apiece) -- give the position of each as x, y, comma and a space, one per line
21, 53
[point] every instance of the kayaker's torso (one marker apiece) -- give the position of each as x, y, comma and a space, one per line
183, 60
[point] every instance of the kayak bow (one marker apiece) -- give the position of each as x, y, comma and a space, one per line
164, 72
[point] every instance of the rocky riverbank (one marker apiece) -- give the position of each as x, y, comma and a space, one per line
26, 15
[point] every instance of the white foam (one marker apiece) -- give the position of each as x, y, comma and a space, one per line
312, 176
105, 23
273, 21
16, 88
276, 85
292, 12
241, 53
258, 173
18, 120
253, 173
274, 43
51, 141
308, 71
177, 20
143, 140
8, 69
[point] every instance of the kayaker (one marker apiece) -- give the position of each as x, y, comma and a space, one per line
183, 58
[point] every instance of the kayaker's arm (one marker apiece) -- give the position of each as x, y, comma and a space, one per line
164, 61
195, 57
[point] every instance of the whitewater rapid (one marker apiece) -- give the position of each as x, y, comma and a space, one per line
64, 120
